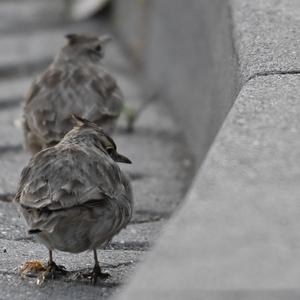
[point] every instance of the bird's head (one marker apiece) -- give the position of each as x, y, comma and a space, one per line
91, 134
85, 47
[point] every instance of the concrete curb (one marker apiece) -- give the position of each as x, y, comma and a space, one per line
237, 234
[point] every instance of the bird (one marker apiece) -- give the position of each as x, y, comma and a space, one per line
73, 196
75, 82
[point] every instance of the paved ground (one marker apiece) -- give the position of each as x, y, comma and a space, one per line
161, 170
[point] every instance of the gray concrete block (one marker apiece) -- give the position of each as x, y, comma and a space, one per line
239, 227
267, 36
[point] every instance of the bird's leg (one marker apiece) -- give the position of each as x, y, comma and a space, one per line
132, 114
53, 269
97, 272
50, 258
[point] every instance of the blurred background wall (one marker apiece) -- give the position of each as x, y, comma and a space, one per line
186, 50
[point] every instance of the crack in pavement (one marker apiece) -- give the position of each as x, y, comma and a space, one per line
273, 72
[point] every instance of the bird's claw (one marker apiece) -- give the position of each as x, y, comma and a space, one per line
52, 271
97, 273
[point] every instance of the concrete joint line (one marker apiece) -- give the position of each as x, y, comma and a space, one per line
274, 72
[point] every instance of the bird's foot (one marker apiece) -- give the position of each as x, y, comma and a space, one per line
52, 271
97, 273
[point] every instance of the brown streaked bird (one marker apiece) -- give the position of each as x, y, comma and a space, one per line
75, 82
73, 196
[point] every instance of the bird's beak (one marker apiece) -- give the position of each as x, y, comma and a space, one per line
121, 158
105, 39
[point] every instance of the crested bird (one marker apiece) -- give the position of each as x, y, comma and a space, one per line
75, 82
73, 195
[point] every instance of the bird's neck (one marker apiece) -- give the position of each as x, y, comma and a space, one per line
64, 60
81, 140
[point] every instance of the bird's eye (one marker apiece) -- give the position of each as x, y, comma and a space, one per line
110, 150
98, 48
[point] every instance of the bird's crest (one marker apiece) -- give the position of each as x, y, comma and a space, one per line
74, 38
79, 121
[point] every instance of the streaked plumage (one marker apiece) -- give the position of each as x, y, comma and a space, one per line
73, 196
76, 82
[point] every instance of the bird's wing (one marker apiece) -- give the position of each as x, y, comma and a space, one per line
33, 91
108, 92
39, 106
91, 93
56, 180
